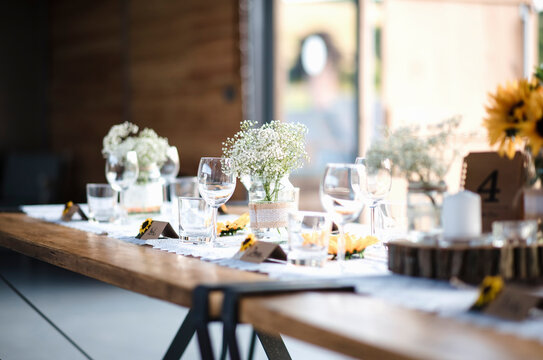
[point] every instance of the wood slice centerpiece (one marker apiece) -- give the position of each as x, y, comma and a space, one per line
468, 263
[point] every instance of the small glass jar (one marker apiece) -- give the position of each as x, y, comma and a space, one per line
270, 202
146, 196
424, 205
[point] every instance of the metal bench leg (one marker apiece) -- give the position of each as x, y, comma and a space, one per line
273, 345
182, 338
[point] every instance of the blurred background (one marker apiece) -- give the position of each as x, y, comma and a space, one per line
193, 69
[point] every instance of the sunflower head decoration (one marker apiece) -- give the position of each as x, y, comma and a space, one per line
67, 207
144, 227
248, 242
532, 130
489, 289
508, 113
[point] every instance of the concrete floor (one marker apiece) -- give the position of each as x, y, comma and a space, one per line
105, 321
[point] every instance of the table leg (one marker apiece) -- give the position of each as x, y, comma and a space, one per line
182, 338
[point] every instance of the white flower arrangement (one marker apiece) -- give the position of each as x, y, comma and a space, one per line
271, 151
417, 156
124, 137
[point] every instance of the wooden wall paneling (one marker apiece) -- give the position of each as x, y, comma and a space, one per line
173, 66
86, 83
185, 73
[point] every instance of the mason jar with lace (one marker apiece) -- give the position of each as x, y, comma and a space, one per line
270, 201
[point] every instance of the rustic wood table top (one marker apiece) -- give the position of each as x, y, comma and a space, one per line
352, 324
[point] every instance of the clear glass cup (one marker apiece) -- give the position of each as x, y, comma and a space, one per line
341, 197
102, 202
308, 237
216, 184
121, 173
195, 219
376, 183
185, 186
514, 232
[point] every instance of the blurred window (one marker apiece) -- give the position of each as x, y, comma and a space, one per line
316, 44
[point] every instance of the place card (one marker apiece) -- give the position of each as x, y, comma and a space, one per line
156, 229
504, 300
498, 180
70, 210
261, 251
511, 304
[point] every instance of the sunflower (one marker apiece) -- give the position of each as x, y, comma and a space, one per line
532, 130
489, 289
144, 227
67, 207
353, 244
507, 113
231, 228
248, 242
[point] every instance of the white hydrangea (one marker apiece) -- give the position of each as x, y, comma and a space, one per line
124, 137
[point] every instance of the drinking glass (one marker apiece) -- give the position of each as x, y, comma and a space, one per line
308, 236
514, 232
341, 198
121, 173
376, 183
169, 169
102, 202
195, 224
216, 184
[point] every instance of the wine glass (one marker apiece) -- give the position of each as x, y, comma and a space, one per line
341, 198
121, 173
216, 184
170, 168
376, 183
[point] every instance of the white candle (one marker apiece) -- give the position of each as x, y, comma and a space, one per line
461, 215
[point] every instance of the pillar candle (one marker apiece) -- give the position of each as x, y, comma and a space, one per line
461, 215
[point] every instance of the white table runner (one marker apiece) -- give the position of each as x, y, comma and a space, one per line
369, 275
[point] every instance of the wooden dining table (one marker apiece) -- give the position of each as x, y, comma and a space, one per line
352, 324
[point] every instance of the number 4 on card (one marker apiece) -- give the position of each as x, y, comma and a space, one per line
499, 181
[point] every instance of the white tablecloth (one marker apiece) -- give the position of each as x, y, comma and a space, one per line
369, 275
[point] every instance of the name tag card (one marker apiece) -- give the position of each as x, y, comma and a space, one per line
70, 210
260, 252
498, 180
512, 304
156, 229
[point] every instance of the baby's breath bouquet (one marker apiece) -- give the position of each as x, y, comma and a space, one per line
418, 156
150, 147
270, 152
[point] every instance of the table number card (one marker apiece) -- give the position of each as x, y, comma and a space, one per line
262, 251
156, 229
498, 180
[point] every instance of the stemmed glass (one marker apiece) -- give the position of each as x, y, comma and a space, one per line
341, 198
216, 185
376, 183
121, 173
170, 168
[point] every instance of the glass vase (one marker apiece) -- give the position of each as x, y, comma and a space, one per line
424, 204
146, 196
270, 201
